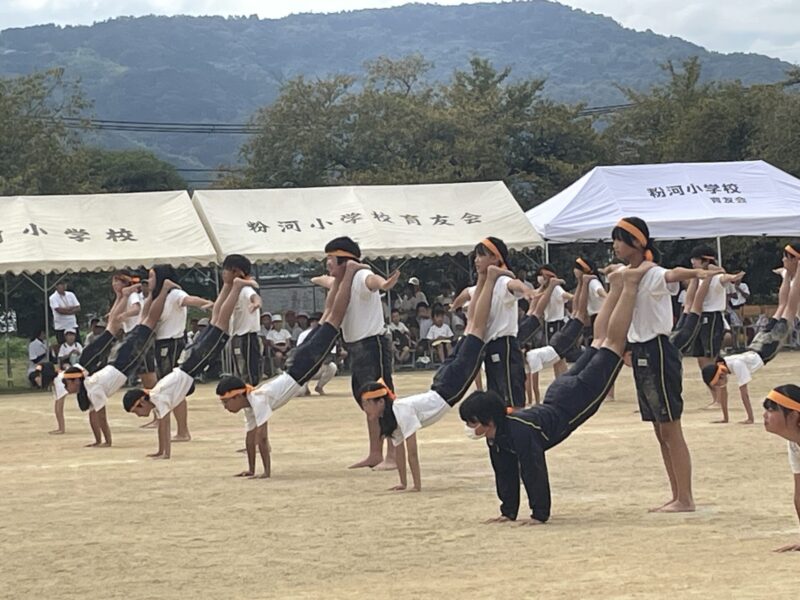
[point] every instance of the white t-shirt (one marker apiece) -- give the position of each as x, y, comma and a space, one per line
652, 315
303, 335
415, 412
103, 384
738, 297
364, 316
539, 358
503, 314
269, 397
401, 327
131, 322
59, 389
65, 349
243, 320
715, 300
35, 349
594, 301
744, 365
554, 311
68, 300
170, 391
436, 332
172, 323
794, 457
279, 337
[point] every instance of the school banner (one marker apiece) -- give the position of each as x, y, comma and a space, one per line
679, 200
292, 224
98, 232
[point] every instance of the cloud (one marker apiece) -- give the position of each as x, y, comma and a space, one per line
764, 26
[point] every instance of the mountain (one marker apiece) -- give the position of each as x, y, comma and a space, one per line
215, 69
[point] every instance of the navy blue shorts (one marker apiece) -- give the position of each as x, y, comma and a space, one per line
133, 348
454, 377
207, 346
304, 362
658, 374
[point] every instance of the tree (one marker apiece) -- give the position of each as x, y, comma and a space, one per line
38, 151
131, 171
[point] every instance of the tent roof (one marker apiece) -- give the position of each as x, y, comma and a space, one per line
677, 200
103, 231
291, 224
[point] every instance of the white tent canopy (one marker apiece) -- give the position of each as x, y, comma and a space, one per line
104, 231
291, 224
679, 200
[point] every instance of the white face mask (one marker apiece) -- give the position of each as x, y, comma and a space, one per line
540, 280
470, 433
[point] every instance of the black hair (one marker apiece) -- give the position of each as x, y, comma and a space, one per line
483, 407
422, 305
163, 272
795, 247
83, 397
233, 262
94, 321
709, 371
618, 233
395, 310
545, 267
589, 263
790, 390
701, 252
438, 312
387, 421
131, 396
347, 245
482, 250
523, 305
226, 384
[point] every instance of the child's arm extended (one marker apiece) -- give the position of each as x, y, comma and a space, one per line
250, 445
164, 442
400, 458
413, 462
794, 547
262, 442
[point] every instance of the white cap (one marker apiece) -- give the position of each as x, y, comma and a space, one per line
413, 281
277, 318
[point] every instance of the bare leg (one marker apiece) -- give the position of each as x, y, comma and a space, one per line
149, 381
154, 307
226, 302
616, 335
375, 456
95, 426
691, 293
102, 422
678, 455
793, 294
668, 465
182, 419
536, 309
340, 296
603, 317
537, 396
720, 395
482, 303
479, 381
58, 408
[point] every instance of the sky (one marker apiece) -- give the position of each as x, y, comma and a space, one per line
770, 27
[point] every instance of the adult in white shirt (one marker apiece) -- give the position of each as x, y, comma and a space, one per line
37, 352
503, 359
782, 418
65, 306
245, 322
657, 368
364, 331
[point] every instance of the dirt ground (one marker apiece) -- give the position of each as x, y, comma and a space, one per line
78, 522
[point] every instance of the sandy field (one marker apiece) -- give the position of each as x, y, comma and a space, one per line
77, 522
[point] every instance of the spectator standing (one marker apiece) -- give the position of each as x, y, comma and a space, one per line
65, 307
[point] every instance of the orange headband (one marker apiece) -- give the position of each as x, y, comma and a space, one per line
792, 251
343, 254
638, 235
232, 393
80, 375
584, 265
379, 393
779, 398
721, 369
493, 249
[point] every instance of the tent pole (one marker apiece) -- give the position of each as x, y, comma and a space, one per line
719, 251
389, 291
9, 381
46, 306
546, 252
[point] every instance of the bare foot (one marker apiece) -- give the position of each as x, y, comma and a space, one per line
719, 421
677, 506
242, 450
155, 455
95, 445
658, 508
182, 438
386, 465
57, 432
370, 461
151, 425
319, 391
746, 422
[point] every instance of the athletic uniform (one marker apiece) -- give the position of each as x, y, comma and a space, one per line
301, 365
594, 302
328, 369
172, 389
365, 333
521, 439
554, 312
539, 358
708, 341
170, 332
657, 368
148, 362
96, 388
450, 383
245, 325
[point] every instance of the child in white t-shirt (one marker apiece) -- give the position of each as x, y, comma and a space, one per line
440, 335
70, 351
